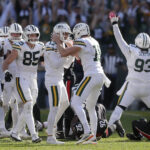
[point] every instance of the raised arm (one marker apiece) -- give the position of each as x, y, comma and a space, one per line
118, 36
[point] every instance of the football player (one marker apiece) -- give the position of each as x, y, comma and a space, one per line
88, 90
4, 35
137, 82
54, 65
26, 55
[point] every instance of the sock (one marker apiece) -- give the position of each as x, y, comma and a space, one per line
28, 110
51, 120
116, 115
93, 120
76, 104
2, 117
14, 113
63, 106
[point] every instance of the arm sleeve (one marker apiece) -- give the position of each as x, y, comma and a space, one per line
121, 42
79, 43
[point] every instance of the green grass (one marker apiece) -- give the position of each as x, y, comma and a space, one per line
112, 143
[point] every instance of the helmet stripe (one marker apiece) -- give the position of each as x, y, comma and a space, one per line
143, 39
146, 40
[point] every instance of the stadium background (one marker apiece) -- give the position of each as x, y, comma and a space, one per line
134, 18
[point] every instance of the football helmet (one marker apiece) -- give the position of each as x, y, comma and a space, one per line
15, 28
4, 31
61, 28
29, 30
142, 41
81, 29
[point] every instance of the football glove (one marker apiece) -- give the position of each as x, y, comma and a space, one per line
113, 18
8, 76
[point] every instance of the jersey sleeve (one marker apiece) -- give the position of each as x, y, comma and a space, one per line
16, 46
52, 55
79, 43
121, 42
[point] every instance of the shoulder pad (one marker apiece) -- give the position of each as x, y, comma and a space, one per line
79, 42
132, 45
16, 45
51, 46
41, 43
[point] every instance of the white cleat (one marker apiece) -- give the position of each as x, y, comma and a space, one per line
85, 137
36, 138
53, 140
24, 135
15, 137
91, 141
4, 133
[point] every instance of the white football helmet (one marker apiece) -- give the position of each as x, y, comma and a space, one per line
81, 29
31, 29
4, 31
142, 41
61, 28
15, 28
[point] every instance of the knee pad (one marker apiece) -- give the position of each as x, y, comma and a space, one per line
28, 107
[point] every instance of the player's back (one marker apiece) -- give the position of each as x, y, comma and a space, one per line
138, 64
27, 60
90, 55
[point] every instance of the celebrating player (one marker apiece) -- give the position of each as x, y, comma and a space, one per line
137, 82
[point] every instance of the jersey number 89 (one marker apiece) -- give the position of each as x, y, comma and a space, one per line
31, 58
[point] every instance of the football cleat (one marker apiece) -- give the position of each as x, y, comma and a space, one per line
85, 137
91, 141
119, 128
53, 140
36, 139
133, 137
15, 137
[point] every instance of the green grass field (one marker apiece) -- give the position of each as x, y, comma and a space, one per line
112, 143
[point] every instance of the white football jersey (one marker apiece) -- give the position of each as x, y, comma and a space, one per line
1, 58
90, 55
138, 61
7, 47
28, 58
54, 63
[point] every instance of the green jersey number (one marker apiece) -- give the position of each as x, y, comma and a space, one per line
31, 58
140, 63
97, 53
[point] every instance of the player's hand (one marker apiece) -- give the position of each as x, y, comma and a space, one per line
113, 18
56, 38
8, 76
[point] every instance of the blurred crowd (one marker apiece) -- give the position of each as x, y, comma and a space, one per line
134, 15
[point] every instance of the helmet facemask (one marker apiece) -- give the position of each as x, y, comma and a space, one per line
64, 31
81, 29
15, 32
31, 34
